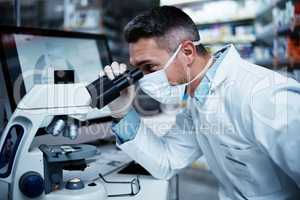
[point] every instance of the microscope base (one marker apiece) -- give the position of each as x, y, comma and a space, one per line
92, 191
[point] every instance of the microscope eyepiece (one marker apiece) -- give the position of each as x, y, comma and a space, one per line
103, 90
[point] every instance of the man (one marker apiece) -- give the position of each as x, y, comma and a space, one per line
243, 118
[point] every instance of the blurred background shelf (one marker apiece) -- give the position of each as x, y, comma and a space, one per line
232, 21
288, 63
188, 3
265, 63
246, 39
270, 63
277, 34
287, 30
185, 3
266, 36
267, 9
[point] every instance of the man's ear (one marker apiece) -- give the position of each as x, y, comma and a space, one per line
189, 50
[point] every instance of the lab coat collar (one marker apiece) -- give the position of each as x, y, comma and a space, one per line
226, 67
218, 58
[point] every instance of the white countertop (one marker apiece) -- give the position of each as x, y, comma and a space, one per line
108, 162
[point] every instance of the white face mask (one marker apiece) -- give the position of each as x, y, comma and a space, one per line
157, 86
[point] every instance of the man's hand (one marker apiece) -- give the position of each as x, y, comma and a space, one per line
120, 106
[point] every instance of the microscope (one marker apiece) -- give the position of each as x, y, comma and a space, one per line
28, 172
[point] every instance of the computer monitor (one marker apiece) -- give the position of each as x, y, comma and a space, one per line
32, 56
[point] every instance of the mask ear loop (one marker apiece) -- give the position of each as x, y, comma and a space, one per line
196, 43
203, 72
185, 96
173, 57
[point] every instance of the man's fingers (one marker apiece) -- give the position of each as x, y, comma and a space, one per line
116, 68
109, 73
123, 68
102, 73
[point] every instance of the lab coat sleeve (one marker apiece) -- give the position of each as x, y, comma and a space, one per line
275, 121
164, 156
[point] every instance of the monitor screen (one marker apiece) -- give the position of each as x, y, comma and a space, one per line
40, 57
35, 56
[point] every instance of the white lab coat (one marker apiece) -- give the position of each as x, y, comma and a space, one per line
248, 129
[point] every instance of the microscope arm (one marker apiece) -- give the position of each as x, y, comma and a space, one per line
60, 97
98, 94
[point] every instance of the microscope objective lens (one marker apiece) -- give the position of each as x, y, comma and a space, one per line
58, 127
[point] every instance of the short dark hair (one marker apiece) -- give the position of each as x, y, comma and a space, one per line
168, 24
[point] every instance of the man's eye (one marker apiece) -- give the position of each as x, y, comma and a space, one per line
149, 67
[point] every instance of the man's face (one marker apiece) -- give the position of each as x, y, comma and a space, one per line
147, 55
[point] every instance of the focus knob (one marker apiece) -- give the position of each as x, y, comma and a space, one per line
31, 184
75, 184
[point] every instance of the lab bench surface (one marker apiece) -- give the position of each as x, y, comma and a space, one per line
108, 162
150, 188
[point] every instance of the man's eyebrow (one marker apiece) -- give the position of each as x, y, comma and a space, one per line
140, 63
